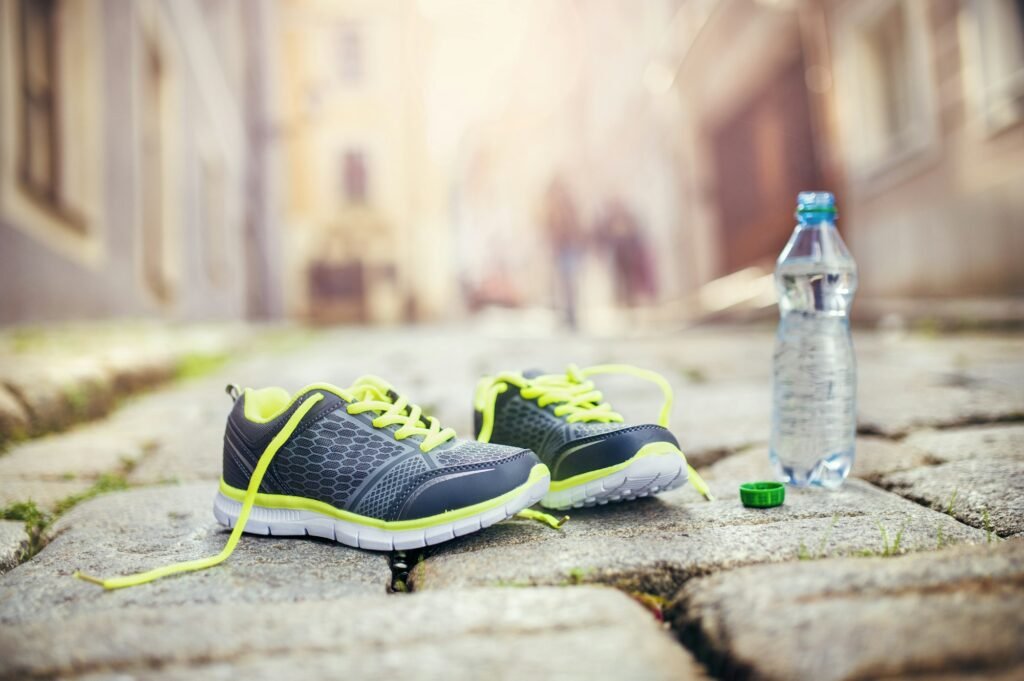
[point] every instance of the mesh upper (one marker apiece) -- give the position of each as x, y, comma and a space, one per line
387, 495
523, 423
466, 452
341, 460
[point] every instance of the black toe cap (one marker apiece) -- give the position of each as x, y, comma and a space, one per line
604, 450
464, 486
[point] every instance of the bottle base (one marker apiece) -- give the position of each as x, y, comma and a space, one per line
828, 472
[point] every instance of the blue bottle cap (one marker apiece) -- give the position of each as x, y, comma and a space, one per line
815, 202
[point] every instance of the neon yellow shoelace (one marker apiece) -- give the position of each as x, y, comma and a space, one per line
366, 394
374, 394
370, 393
577, 398
243, 516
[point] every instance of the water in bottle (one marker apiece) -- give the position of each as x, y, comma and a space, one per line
814, 409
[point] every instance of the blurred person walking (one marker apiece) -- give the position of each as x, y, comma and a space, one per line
620, 233
561, 222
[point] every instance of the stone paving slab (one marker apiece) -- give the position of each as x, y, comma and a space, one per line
12, 541
875, 457
174, 418
63, 375
943, 446
653, 545
14, 419
126, 532
910, 382
718, 419
579, 633
957, 613
45, 493
985, 493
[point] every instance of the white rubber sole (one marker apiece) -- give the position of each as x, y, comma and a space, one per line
645, 476
281, 522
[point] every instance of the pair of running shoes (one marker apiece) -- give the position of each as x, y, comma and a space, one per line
365, 467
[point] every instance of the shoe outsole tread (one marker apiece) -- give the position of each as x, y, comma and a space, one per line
279, 522
643, 477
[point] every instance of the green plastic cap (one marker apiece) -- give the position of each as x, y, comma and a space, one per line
762, 494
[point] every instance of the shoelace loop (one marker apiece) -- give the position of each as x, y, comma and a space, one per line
370, 393
577, 398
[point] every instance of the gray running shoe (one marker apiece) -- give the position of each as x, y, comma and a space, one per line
366, 468
594, 457
360, 466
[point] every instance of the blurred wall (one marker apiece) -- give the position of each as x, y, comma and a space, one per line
911, 111
367, 235
125, 161
928, 100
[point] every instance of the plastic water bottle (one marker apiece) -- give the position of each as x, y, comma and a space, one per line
814, 409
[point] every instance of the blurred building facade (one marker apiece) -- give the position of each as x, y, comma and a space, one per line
387, 161
569, 108
132, 167
911, 111
367, 233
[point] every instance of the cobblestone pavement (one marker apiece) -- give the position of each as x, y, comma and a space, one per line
914, 568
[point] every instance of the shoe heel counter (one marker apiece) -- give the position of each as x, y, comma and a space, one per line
478, 423
237, 457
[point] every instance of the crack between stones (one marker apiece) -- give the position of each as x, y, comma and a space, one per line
930, 461
401, 564
966, 422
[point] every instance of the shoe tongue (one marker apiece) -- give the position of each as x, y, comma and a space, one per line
532, 373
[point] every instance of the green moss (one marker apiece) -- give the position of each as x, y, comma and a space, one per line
78, 399
26, 511
36, 521
694, 375
196, 365
108, 482
577, 575
27, 338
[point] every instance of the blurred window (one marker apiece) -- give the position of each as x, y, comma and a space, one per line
155, 268
213, 192
887, 57
1000, 60
886, 91
39, 154
354, 176
350, 52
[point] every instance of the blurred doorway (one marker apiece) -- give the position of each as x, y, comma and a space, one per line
763, 155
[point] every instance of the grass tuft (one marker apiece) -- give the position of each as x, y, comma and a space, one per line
804, 554
952, 501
